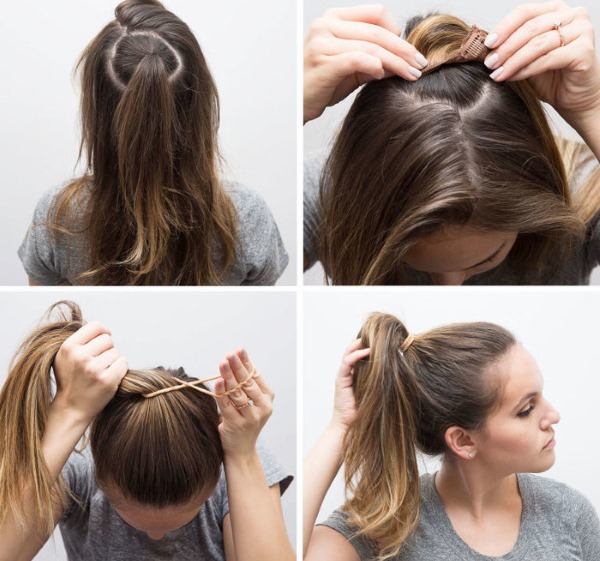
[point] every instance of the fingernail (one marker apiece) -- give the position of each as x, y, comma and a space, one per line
421, 60
492, 60
244, 354
226, 365
494, 75
414, 71
491, 40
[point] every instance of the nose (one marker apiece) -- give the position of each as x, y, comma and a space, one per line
449, 279
551, 417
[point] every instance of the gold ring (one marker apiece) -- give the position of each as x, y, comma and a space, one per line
238, 407
557, 27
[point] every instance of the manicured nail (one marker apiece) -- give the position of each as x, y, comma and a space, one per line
494, 75
492, 60
491, 40
244, 354
421, 60
414, 71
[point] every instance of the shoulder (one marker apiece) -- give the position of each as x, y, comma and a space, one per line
262, 254
314, 162
554, 497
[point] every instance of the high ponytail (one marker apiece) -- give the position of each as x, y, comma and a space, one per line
25, 402
157, 451
408, 392
156, 210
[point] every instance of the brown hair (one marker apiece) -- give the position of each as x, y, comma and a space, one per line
406, 401
150, 115
452, 148
159, 451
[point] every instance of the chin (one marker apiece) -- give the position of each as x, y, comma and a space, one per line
544, 465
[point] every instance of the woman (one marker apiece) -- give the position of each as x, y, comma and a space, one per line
153, 484
470, 393
447, 171
150, 116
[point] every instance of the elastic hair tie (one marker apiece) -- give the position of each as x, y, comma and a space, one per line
407, 343
473, 48
193, 385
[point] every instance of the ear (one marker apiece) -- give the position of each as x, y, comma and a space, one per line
460, 443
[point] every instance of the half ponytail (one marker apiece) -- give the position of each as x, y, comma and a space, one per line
25, 402
156, 212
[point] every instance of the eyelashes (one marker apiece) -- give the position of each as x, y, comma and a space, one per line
525, 413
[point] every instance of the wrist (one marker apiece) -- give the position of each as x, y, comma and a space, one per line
64, 413
243, 459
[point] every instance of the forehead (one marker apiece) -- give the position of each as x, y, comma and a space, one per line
519, 375
455, 248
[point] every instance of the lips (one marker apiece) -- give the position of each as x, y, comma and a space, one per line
550, 444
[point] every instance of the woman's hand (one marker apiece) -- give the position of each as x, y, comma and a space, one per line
88, 371
344, 405
244, 411
528, 44
348, 47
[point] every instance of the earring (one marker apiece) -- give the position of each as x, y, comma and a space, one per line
471, 455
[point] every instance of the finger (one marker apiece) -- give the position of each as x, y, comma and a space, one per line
516, 18
355, 345
237, 396
250, 387
225, 405
392, 63
375, 34
555, 60
99, 344
535, 36
352, 358
86, 333
116, 371
367, 13
538, 59
243, 356
105, 359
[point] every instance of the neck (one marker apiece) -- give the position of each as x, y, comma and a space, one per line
474, 488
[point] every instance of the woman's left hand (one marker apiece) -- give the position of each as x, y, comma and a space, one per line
244, 411
552, 46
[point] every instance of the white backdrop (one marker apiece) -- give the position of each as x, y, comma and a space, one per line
185, 328
250, 48
319, 132
559, 328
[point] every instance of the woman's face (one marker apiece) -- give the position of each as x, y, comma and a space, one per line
518, 437
456, 253
155, 522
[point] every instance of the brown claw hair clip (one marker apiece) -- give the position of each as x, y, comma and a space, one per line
473, 48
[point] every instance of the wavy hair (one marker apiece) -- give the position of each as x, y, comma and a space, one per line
157, 452
452, 148
406, 402
154, 206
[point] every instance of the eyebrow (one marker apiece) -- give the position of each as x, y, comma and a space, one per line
487, 258
525, 399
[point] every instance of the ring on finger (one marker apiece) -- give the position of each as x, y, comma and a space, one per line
238, 407
557, 25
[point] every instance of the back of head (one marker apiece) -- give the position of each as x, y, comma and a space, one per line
158, 451
452, 148
408, 394
150, 115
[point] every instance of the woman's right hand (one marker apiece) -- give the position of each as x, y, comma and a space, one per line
88, 371
348, 47
344, 404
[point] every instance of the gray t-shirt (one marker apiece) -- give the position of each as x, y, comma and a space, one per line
93, 531
260, 256
575, 270
557, 524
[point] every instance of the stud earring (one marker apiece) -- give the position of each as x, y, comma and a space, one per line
471, 455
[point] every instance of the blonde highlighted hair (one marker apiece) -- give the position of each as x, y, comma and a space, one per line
405, 402
452, 148
157, 452
155, 207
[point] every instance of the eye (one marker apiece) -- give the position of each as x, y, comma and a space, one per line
525, 412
